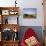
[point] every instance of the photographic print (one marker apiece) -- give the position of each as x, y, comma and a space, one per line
5, 12
29, 12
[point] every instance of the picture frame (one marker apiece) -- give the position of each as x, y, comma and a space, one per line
29, 13
13, 12
5, 12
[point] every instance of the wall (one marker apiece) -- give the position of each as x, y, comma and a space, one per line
27, 4
7, 3
32, 22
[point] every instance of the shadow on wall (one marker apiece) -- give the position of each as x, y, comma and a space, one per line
37, 29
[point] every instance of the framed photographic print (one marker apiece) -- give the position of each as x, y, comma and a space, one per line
5, 12
29, 13
13, 12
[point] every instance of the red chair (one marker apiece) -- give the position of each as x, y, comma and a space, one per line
29, 33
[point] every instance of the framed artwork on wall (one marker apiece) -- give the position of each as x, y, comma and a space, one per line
5, 12
29, 12
13, 12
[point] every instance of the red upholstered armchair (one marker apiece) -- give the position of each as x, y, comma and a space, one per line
30, 38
